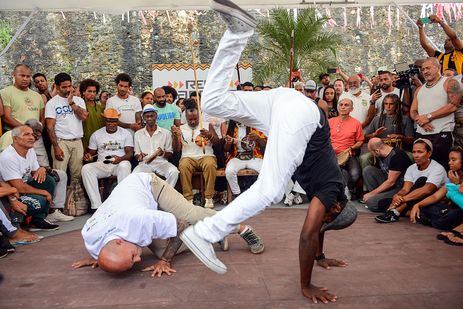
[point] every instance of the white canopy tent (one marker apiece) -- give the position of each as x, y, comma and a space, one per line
114, 6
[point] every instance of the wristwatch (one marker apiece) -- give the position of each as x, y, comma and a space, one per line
429, 116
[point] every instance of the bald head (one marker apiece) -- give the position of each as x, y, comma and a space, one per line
375, 143
118, 255
160, 97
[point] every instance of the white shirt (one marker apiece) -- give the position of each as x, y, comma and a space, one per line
15, 166
379, 102
126, 107
435, 174
189, 148
67, 126
130, 213
361, 105
147, 144
110, 144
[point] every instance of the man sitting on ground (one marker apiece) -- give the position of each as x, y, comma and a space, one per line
144, 211
114, 146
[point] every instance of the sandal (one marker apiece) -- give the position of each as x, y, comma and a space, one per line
452, 243
444, 237
25, 242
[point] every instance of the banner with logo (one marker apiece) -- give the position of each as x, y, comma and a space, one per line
181, 77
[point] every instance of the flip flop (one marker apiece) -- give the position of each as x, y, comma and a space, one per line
25, 242
449, 242
443, 237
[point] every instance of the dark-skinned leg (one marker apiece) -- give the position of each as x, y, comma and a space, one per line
308, 247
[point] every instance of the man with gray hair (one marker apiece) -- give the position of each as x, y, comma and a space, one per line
20, 169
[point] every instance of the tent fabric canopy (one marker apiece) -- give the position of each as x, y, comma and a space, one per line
112, 6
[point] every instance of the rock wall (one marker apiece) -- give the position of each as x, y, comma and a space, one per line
85, 46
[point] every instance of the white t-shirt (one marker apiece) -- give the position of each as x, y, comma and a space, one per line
379, 102
126, 107
130, 213
361, 105
189, 148
110, 144
147, 144
67, 126
15, 166
435, 174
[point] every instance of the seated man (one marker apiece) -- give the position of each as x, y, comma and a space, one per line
245, 149
153, 148
114, 146
420, 181
142, 211
21, 170
386, 179
347, 136
197, 153
61, 178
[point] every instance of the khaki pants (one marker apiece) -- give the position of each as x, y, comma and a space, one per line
73, 155
170, 200
207, 165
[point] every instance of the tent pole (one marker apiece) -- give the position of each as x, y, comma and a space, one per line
18, 32
413, 23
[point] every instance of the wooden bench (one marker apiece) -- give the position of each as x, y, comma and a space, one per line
241, 173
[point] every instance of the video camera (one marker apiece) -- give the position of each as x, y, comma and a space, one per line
405, 72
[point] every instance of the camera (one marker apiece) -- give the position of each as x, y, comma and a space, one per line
405, 72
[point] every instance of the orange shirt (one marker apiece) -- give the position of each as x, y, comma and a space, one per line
345, 134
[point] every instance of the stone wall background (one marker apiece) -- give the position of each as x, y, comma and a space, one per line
86, 47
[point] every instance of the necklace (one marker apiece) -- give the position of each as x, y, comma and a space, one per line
435, 83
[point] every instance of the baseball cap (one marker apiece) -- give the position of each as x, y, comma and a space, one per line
424, 140
149, 108
310, 85
345, 218
110, 113
320, 77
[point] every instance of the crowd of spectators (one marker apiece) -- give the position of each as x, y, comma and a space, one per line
399, 147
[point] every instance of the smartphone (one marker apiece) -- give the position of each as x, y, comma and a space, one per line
331, 71
425, 20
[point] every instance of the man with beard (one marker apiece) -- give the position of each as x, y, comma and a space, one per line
325, 81
452, 57
89, 88
386, 87
127, 105
363, 111
41, 83
168, 114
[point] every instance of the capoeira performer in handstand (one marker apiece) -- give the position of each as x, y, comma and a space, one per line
298, 143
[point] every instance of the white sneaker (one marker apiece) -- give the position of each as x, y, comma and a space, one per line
203, 250
347, 193
209, 203
236, 19
289, 198
58, 216
297, 199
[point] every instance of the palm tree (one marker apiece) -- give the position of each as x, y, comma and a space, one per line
314, 47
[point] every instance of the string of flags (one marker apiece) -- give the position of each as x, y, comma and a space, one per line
450, 12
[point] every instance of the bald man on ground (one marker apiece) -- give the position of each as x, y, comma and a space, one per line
144, 211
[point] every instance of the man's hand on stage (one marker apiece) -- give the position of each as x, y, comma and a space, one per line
316, 293
159, 268
85, 262
326, 263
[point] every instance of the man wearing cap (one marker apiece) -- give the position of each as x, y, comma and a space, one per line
310, 90
420, 181
298, 143
114, 146
325, 81
153, 148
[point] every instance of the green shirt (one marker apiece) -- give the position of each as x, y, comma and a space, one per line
24, 105
94, 122
167, 115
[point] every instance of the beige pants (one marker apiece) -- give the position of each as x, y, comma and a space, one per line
170, 200
207, 165
73, 155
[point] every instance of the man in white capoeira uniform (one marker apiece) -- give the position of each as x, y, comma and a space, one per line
298, 138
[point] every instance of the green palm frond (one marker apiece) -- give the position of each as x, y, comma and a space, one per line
314, 47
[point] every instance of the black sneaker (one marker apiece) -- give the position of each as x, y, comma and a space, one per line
388, 217
236, 19
3, 253
38, 224
254, 242
5, 244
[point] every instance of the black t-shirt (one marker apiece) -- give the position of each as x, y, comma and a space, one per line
398, 161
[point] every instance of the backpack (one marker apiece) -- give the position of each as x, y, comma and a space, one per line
77, 202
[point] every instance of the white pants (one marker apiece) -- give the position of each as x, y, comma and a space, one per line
234, 166
91, 172
286, 116
59, 197
160, 167
295, 187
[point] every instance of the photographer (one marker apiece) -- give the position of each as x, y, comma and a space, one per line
452, 57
